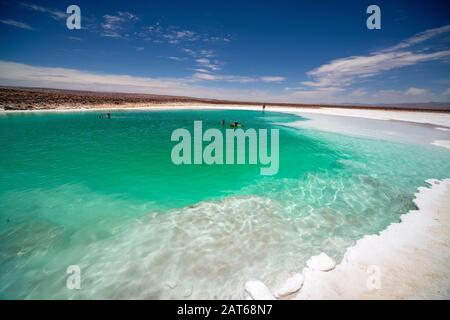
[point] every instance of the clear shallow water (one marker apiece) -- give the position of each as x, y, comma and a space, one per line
104, 194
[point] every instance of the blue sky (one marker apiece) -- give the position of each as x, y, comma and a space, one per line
286, 51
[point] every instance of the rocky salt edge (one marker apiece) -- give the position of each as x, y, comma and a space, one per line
408, 260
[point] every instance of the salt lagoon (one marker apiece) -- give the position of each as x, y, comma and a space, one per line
105, 195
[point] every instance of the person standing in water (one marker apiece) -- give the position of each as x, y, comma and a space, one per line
105, 116
264, 107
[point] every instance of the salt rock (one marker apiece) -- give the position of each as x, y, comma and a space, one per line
322, 262
292, 285
171, 284
258, 290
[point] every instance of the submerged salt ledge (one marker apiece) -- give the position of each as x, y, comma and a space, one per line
408, 260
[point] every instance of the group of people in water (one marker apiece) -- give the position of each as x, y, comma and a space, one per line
233, 124
236, 124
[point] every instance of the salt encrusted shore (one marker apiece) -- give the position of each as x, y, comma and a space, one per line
408, 260
442, 143
425, 117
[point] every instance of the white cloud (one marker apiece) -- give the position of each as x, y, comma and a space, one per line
18, 74
207, 66
74, 38
176, 58
201, 75
346, 71
410, 95
415, 91
359, 92
56, 14
207, 53
190, 52
176, 35
204, 76
207, 63
447, 92
273, 79
201, 70
114, 26
16, 24
128, 16
224, 78
204, 53
316, 95
419, 38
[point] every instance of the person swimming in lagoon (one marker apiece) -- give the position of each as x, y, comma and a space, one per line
105, 116
235, 124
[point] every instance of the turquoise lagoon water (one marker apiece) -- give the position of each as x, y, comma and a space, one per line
103, 194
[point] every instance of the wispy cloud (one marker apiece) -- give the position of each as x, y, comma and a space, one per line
419, 38
199, 54
173, 58
224, 78
200, 70
17, 24
273, 79
77, 78
316, 95
117, 26
204, 76
415, 91
190, 52
344, 72
205, 62
201, 75
74, 38
360, 95
176, 35
19, 74
360, 92
56, 14
208, 64
403, 96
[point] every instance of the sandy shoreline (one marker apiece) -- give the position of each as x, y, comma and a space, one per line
414, 255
